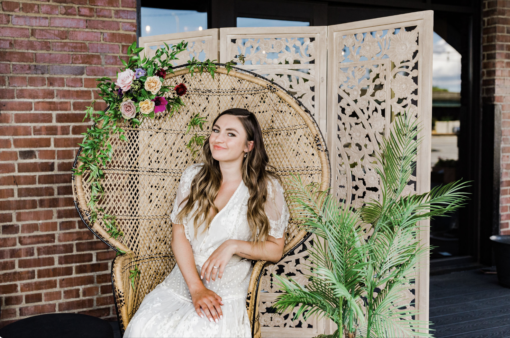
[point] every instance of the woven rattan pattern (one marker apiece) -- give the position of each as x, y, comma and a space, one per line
141, 180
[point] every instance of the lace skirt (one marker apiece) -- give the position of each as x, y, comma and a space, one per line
168, 311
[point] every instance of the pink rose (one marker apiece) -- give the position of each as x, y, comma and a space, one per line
128, 109
125, 79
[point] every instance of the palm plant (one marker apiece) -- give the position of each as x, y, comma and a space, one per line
358, 277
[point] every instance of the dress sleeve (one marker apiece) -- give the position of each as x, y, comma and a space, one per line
183, 191
276, 209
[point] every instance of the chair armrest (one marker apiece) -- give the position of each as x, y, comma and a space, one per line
153, 270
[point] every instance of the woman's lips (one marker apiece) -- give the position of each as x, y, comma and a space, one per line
216, 147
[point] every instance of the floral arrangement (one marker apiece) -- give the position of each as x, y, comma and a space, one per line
138, 93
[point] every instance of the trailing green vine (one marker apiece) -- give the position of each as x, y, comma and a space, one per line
139, 93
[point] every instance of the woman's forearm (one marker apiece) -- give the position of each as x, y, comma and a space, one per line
184, 257
266, 251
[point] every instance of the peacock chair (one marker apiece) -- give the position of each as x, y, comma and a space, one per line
141, 180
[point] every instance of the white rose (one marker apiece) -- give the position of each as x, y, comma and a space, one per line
125, 79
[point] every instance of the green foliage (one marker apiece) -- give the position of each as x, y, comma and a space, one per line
97, 150
357, 279
133, 274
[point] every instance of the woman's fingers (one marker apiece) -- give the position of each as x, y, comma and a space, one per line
220, 270
213, 314
199, 312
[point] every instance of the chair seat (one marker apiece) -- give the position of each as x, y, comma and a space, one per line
58, 325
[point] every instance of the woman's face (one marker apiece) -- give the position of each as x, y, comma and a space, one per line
228, 139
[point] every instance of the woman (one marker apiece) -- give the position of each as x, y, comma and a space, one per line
229, 210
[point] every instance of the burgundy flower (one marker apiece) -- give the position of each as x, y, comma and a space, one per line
159, 104
180, 89
161, 73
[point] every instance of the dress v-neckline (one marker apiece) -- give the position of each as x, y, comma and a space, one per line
230, 199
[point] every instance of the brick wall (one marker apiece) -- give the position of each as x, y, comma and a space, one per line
496, 87
51, 52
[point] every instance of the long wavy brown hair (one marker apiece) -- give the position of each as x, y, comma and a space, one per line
206, 183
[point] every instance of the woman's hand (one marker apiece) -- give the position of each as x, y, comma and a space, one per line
218, 258
208, 301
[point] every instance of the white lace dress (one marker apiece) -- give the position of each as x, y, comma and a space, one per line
168, 311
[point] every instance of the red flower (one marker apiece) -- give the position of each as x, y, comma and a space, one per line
161, 73
180, 89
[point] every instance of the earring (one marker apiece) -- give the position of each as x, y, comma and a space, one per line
245, 154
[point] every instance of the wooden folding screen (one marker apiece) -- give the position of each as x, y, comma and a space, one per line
353, 78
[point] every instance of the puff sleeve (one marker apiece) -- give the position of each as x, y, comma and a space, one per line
276, 209
183, 191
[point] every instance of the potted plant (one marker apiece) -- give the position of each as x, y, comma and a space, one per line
358, 278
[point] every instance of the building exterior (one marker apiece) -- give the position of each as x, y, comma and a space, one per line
52, 52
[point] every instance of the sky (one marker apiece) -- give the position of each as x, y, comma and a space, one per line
446, 60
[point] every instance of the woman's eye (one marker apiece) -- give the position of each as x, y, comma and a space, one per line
232, 134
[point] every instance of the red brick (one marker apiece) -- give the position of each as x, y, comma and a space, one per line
90, 291
35, 216
29, 228
56, 82
46, 154
86, 11
51, 106
66, 154
33, 298
15, 131
36, 167
103, 13
76, 304
37, 239
36, 191
10, 288
7, 265
68, 142
128, 4
33, 118
5, 68
101, 71
75, 236
30, 8
16, 56
128, 26
8, 156
36, 81
4, 19
119, 37
106, 278
69, 46
6, 44
53, 295
128, 15
35, 262
91, 246
78, 130
67, 70
55, 249
38, 285
52, 58
84, 36
105, 3
33, 143
5, 117
16, 253
56, 202
103, 25
29, 21
10, 6
35, 94
106, 289
68, 10
49, 9
68, 23
15, 32
67, 225
76, 281
74, 94
8, 313
37, 309
74, 82
101, 301
54, 179
17, 81
6, 143
87, 59
7, 93
55, 272
7, 168
7, 242
13, 300
51, 130
74, 293
10, 229
77, 2
51, 34
89, 268
16, 276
